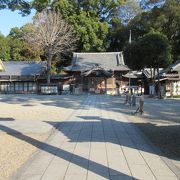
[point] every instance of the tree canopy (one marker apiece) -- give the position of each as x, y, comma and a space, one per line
91, 20
150, 51
165, 19
100, 25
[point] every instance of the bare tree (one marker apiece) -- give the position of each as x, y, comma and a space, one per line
53, 34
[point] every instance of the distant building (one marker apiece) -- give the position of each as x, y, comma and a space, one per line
27, 77
98, 72
88, 72
170, 80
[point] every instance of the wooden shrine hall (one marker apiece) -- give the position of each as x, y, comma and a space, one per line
98, 72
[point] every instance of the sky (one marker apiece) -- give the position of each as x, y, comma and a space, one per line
10, 19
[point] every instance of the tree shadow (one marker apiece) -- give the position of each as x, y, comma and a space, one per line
157, 110
27, 100
121, 129
7, 119
133, 140
95, 167
167, 138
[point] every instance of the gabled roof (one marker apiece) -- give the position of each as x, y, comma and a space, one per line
23, 68
175, 66
147, 72
140, 74
2, 68
107, 60
173, 71
98, 71
133, 75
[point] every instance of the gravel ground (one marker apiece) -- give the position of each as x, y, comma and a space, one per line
29, 115
161, 124
14, 152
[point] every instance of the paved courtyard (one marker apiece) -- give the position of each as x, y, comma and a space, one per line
27, 114
96, 141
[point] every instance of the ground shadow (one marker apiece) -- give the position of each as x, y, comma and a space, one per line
167, 138
78, 160
120, 128
159, 110
7, 119
126, 128
64, 101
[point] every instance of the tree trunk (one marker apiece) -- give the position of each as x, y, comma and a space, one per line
154, 81
159, 92
151, 75
171, 89
49, 68
105, 85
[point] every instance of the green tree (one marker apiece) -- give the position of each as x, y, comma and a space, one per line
22, 5
155, 50
165, 19
19, 48
133, 56
118, 36
151, 51
91, 20
15, 46
4, 48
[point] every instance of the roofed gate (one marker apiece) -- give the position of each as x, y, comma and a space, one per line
96, 72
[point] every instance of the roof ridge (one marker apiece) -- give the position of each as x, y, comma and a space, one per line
97, 52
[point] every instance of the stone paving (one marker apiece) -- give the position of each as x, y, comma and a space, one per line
94, 143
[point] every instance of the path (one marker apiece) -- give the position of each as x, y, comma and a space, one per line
94, 143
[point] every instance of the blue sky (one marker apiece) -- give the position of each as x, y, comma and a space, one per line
9, 19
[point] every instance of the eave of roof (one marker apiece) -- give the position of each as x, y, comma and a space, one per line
23, 68
107, 60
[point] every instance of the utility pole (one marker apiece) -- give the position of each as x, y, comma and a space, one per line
130, 40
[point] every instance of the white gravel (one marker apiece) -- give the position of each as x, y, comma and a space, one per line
29, 115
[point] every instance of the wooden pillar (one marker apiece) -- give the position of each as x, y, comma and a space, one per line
106, 85
89, 85
81, 89
113, 81
171, 88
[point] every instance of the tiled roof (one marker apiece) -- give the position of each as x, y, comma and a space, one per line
98, 71
147, 72
175, 66
23, 68
133, 74
108, 61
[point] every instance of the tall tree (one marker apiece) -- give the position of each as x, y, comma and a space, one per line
4, 48
133, 56
91, 20
165, 19
51, 32
22, 5
151, 51
19, 48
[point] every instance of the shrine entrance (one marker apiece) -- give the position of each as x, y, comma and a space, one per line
97, 85
96, 79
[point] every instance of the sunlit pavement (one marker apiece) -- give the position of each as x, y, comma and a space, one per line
95, 142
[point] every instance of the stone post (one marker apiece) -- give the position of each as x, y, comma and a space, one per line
141, 104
